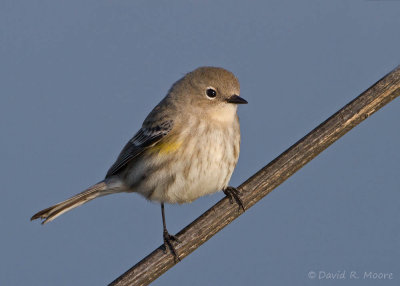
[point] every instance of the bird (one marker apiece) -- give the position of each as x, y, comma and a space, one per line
187, 147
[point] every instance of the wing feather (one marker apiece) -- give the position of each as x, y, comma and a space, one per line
143, 139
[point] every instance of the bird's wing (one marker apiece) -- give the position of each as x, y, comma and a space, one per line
143, 139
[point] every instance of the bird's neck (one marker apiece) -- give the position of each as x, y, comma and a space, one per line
223, 114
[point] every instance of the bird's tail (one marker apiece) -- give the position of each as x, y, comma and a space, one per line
100, 189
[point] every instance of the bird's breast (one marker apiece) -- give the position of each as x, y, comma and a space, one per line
196, 161
205, 161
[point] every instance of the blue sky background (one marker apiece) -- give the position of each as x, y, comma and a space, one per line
78, 78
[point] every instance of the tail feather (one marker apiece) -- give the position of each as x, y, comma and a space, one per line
49, 214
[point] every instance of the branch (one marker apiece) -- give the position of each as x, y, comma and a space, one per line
265, 180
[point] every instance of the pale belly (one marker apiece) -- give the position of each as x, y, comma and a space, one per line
202, 166
202, 175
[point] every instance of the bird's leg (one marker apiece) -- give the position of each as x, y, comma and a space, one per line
233, 193
168, 238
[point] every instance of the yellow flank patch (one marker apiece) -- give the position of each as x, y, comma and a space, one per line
166, 147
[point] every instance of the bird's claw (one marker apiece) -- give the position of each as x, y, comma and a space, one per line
233, 193
168, 239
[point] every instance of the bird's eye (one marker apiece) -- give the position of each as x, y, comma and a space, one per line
211, 93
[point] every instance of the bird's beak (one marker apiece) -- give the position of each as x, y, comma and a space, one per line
236, 99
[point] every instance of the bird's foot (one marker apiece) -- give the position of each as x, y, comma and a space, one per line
168, 239
233, 193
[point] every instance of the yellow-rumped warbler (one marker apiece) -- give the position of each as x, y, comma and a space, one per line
187, 147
